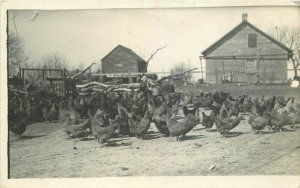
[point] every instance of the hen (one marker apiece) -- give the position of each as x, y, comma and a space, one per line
52, 114
257, 122
139, 125
161, 124
76, 130
225, 124
19, 120
180, 128
280, 116
294, 114
187, 111
100, 130
208, 120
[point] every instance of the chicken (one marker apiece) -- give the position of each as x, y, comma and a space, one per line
207, 101
247, 105
100, 130
180, 128
139, 125
257, 122
225, 124
260, 106
294, 113
232, 107
279, 119
34, 111
76, 130
19, 120
122, 120
187, 111
161, 124
52, 114
157, 111
186, 98
208, 120
280, 116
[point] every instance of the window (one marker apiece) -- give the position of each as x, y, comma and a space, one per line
252, 40
250, 66
119, 65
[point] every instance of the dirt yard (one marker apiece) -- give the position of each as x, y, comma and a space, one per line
45, 151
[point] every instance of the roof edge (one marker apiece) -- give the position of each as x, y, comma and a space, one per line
237, 28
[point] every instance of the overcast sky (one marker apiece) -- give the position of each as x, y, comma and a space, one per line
88, 35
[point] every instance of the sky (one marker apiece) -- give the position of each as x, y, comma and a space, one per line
86, 36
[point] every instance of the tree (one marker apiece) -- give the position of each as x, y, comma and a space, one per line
54, 61
16, 53
291, 38
182, 67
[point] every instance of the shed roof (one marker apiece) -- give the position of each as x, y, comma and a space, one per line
237, 29
127, 50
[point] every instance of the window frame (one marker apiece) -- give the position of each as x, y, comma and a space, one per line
252, 40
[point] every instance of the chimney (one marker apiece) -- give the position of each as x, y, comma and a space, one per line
244, 17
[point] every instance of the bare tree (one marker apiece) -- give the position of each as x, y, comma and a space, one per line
182, 67
151, 57
291, 38
16, 53
55, 61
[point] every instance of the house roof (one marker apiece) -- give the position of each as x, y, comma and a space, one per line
129, 51
237, 29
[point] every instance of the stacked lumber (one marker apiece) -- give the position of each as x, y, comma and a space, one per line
92, 88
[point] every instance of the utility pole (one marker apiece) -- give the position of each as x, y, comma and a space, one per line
201, 68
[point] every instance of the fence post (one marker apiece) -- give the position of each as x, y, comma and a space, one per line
130, 79
171, 81
264, 76
217, 75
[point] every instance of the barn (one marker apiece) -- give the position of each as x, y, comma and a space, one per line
246, 54
124, 64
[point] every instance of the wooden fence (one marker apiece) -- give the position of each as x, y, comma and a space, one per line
51, 80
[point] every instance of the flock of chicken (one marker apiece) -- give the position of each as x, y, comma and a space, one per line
126, 113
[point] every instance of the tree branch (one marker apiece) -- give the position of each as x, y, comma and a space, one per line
155, 53
14, 22
152, 55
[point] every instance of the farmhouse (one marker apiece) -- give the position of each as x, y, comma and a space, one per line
123, 63
246, 54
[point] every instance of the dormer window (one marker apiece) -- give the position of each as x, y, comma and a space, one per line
252, 40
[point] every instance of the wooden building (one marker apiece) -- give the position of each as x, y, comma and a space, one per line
121, 62
246, 54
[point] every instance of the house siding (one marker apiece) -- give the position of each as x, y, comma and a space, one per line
274, 67
119, 57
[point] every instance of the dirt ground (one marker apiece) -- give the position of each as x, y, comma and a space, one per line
45, 151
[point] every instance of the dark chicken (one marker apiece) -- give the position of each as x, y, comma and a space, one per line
225, 124
139, 125
180, 128
208, 120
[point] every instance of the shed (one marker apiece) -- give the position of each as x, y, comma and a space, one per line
121, 62
246, 54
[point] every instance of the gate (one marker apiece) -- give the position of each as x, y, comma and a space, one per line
51, 80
